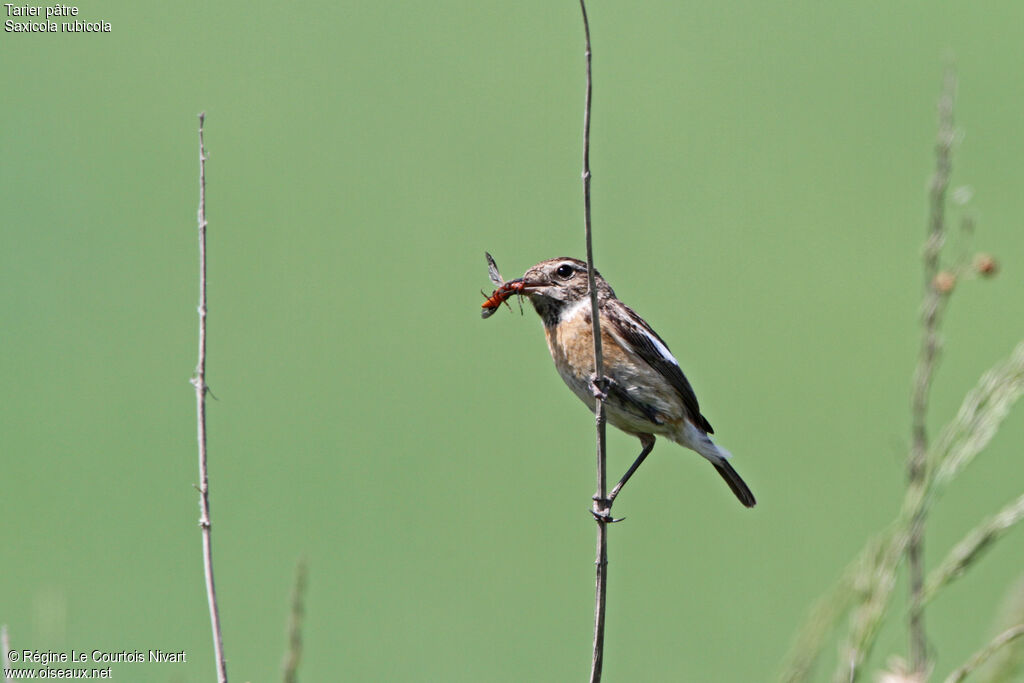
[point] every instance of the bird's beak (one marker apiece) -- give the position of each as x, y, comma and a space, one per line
532, 283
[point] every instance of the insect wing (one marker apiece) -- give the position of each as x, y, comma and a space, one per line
492, 271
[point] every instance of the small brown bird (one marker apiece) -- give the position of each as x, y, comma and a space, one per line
647, 393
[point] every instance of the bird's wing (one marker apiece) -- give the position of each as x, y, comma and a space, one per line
630, 330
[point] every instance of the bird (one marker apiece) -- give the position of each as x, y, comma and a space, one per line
646, 393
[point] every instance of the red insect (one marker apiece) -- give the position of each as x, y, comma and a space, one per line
502, 293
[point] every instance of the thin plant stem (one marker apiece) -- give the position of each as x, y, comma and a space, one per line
602, 507
199, 382
983, 655
5, 645
934, 299
290, 670
866, 587
984, 408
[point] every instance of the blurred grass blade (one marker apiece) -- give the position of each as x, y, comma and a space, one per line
982, 655
861, 582
827, 611
972, 546
980, 415
875, 585
5, 645
1007, 664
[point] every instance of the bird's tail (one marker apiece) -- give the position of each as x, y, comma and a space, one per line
719, 457
735, 482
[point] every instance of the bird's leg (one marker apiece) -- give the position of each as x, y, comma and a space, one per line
602, 509
647, 441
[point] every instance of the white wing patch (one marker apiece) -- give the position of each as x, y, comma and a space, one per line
662, 349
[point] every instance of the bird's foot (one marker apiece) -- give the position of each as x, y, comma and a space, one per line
601, 387
602, 511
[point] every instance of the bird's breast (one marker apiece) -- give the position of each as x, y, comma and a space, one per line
642, 401
571, 343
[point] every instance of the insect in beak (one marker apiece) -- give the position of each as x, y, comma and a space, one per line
500, 296
502, 293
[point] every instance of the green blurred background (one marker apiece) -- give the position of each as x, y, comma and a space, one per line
759, 196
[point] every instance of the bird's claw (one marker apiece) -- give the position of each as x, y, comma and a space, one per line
600, 387
602, 511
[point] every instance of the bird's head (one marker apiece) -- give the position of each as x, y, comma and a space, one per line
557, 284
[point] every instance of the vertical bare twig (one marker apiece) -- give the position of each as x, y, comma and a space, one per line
5, 645
931, 316
290, 669
199, 382
602, 506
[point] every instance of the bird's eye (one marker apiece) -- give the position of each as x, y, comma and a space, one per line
565, 271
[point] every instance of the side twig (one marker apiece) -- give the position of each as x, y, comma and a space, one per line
290, 669
934, 298
602, 506
199, 382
